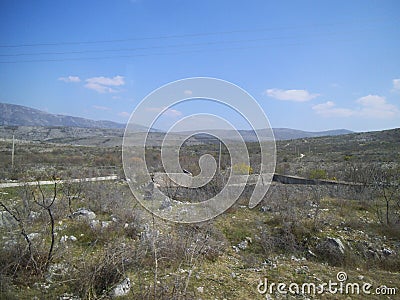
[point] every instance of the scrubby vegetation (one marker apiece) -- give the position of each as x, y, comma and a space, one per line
92, 240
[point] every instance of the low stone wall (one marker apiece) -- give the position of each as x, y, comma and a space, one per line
286, 179
164, 179
276, 191
282, 186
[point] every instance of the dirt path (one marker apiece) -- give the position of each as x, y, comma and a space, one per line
48, 182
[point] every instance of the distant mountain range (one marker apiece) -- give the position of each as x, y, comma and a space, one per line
291, 134
279, 134
18, 115
33, 124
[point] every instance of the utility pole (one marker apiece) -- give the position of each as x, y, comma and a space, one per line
12, 153
219, 158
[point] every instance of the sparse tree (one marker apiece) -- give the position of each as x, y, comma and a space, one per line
21, 220
39, 197
21, 215
387, 187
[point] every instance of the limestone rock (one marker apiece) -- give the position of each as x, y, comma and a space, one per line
122, 289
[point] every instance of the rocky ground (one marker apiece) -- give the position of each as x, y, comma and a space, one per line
105, 247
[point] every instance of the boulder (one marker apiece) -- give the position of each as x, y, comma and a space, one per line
331, 250
336, 243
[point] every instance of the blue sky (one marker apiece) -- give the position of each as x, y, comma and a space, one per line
311, 65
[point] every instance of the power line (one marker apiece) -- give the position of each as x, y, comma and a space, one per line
291, 39
152, 54
186, 35
177, 45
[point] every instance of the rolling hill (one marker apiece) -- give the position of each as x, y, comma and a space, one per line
18, 115
32, 124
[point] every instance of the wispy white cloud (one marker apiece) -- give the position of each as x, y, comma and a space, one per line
396, 84
173, 113
70, 79
371, 106
104, 108
104, 84
99, 88
114, 81
291, 95
375, 106
124, 114
328, 109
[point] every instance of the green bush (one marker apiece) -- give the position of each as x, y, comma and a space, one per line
318, 174
242, 169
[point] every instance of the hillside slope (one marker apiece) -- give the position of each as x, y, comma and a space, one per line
18, 115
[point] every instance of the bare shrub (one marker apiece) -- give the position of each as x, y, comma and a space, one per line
31, 256
180, 249
279, 240
94, 277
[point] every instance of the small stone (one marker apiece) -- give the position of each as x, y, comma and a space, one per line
94, 224
123, 288
105, 224
265, 209
33, 235
243, 245
83, 213
311, 254
33, 215
67, 296
294, 258
64, 238
387, 251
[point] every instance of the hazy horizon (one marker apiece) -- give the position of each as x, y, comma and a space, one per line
189, 130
